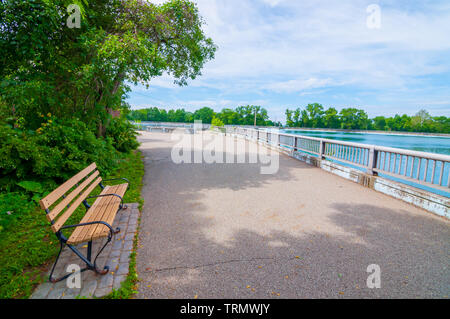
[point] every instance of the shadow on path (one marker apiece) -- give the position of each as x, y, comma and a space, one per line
226, 231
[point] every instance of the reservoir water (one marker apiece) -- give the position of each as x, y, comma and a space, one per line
423, 143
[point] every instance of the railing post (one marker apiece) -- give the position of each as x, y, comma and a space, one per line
373, 154
321, 149
295, 144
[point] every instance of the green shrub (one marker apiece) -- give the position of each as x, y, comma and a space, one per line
216, 122
123, 134
51, 154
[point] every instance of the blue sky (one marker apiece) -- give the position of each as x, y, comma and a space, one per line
287, 53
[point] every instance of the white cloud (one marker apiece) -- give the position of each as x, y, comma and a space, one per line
273, 3
321, 37
296, 46
298, 85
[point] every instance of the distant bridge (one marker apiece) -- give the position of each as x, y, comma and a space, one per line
168, 127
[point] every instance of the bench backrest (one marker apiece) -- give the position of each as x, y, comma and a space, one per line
84, 183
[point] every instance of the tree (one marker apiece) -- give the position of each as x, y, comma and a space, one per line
204, 114
441, 124
331, 118
47, 67
189, 117
422, 121
315, 115
289, 121
229, 116
379, 123
216, 122
352, 118
247, 113
303, 118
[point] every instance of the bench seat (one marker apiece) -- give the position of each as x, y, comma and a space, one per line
103, 209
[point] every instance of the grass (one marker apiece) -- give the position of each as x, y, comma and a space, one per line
129, 287
29, 250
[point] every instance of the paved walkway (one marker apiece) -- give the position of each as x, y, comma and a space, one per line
226, 231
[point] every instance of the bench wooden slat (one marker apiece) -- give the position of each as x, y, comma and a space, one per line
103, 209
110, 214
48, 200
66, 201
93, 214
110, 208
62, 219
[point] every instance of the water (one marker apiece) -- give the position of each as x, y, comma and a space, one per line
431, 144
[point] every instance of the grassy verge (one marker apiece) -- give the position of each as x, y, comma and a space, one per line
28, 250
128, 287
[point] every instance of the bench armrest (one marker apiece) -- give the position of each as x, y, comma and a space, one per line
111, 230
117, 179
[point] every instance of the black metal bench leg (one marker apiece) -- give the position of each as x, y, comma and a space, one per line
86, 259
51, 279
106, 268
89, 250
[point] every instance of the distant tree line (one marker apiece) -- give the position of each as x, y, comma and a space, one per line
315, 116
312, 116
242, 115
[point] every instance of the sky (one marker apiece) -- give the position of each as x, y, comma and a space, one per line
390, 58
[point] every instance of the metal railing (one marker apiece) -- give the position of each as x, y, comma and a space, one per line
419, 168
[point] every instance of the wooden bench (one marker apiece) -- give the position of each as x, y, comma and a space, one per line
96, 223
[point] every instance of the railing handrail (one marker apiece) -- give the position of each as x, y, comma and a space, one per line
427, 155
412, 166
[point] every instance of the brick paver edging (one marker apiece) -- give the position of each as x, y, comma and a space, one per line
116, 255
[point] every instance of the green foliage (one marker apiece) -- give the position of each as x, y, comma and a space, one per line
314, 116
331, 118
242, 115
246, 115
13, 206
31, 186
354, 119
205, 114
123, 133
58, 89
46, 67
216, 122
27, 243
51, 154
35, 189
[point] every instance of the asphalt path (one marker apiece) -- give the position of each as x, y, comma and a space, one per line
228, 231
